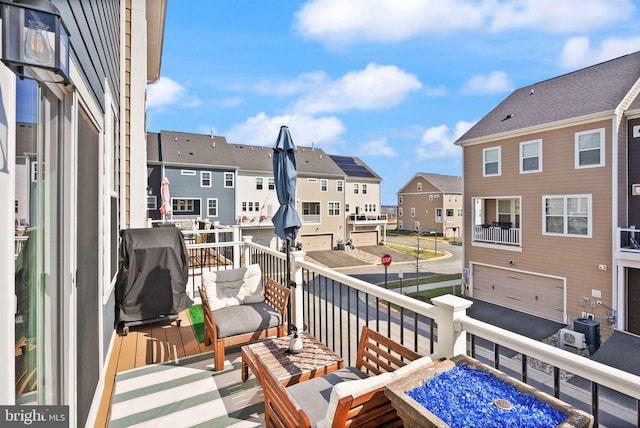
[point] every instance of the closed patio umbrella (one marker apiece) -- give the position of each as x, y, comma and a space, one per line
286, 220
165, 208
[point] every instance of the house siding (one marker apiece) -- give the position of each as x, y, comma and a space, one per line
573, 258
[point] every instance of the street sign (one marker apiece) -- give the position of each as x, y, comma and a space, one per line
386, 260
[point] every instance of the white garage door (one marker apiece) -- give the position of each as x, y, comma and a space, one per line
363, 239
317, 242
529, 293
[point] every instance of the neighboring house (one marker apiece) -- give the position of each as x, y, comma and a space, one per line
431, 203
73, 177
199, 186
366, 225
551, 193
242, 189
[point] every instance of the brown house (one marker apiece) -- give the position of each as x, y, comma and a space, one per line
431, 203
549, 182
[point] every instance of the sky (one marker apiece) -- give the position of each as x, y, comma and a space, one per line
393, 82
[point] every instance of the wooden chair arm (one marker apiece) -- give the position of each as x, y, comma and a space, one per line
277, 295
379, 354
280, 410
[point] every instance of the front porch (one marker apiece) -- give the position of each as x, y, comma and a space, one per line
334, 307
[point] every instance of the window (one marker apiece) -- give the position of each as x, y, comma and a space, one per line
356, 188
364, 189
250, 206
311, 212
205, 178
449, 198
34, 172
324, 185
459, 212
188, 172
186, 206
589, 148
399, 200
449, 213
567, 215
228, 179
244, 206
438, 214
455, 198
413, 212
346, 208
530, 156
334, 208
430, 197
152, 202
339, 186
491, 162
400, 214
271, 184
370, 208
259, 183
212, 207
419, 186
256, 206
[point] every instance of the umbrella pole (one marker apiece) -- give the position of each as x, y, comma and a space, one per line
289, 283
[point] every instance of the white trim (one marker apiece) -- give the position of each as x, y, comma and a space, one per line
589, 198
577, 136
484, 161
202, 179
521, 159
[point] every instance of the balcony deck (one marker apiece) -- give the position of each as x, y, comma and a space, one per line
146, 345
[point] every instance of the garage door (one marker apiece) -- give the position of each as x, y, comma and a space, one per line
363, 239
529, 293
317, 242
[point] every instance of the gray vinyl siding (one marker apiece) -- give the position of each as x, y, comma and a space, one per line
188, 187
575, 258
94, 30
634, 178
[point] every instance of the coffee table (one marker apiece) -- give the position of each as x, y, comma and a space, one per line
314, 360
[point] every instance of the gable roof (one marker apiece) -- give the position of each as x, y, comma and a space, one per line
598, 89
209, 151
444, 183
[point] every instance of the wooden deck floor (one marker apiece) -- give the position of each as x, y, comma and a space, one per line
144, 345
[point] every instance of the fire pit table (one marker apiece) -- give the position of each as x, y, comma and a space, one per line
461, 391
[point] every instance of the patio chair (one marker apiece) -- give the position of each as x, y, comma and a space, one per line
352, 396
237, 312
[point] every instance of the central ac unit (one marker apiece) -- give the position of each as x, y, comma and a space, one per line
572, 338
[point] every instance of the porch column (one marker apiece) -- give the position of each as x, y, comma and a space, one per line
451, 340
297, 315
247, 250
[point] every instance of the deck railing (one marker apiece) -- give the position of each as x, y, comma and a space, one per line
334, 307
496, 234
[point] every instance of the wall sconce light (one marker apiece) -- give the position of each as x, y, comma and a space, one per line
149, 191
35, 42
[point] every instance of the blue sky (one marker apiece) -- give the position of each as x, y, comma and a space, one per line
394, 82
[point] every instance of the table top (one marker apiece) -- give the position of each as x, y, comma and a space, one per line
315, 359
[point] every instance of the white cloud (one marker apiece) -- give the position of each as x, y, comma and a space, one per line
167, 92
262, 130
564, 16
436, 91
338, 23
378, 147
577, 51
232, 102
437, 142
303, 83
375, 87
492, 83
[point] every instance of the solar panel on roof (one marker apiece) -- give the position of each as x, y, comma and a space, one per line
351, 168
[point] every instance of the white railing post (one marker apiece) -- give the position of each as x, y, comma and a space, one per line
247, 252
296, 292
452, 340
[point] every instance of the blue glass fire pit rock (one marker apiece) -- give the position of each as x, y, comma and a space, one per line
465, 397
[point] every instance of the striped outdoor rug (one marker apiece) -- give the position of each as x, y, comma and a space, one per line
187, 393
